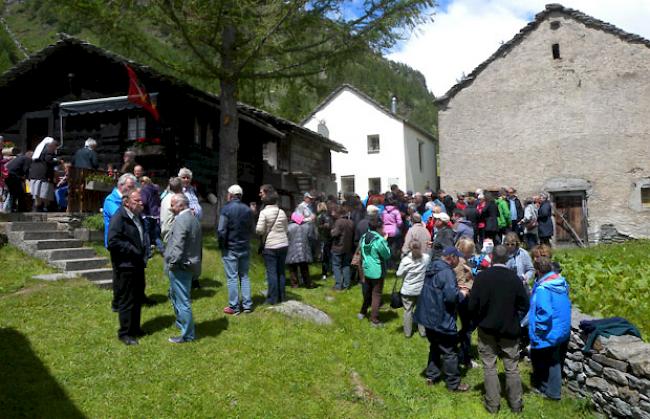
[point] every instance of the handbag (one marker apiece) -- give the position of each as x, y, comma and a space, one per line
396, 297
260, 249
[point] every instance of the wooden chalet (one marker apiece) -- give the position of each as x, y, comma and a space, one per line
73, 90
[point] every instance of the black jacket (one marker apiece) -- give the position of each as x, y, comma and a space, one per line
490, 215
438, 302
85, 158
127, 250
471, 215
498, 302
43, 168
19, 167
544, 220
444, 238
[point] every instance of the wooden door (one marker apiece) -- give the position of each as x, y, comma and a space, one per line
571, 208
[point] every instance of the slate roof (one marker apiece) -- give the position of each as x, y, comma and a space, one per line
264, 118
503, 50
372, 101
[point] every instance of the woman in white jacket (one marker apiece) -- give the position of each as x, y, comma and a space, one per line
413, 268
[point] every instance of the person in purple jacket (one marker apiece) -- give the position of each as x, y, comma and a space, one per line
150, 193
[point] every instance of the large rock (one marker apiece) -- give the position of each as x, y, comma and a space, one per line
614, 363
303, 311
640, 364
600, 384
577, 316
624, 347
616, 376
622, 408
640, 384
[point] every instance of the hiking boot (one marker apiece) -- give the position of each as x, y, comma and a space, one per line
231, 311
462, 387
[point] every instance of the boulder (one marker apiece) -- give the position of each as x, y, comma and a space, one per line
640, 384
599, 384
615, 376
625, 347
622, 408
595, 366
577, 316
303, 311
640, 364
614, 363
575, 356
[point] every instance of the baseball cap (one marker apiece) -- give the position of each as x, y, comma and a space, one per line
451, 251
442, 217
308, 195
235, 190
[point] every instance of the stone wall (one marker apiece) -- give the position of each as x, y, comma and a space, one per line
528, 119
614, 375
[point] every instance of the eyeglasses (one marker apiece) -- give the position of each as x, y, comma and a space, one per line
510, 244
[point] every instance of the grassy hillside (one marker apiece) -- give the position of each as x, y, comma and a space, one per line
37, 22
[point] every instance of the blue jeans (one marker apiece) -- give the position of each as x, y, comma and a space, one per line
180, 282
236, 264
274, 260
341, 268
547, 369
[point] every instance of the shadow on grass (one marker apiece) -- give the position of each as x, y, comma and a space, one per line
202, 293
158, 298
210, 283
211, 328
27, 389
158, 323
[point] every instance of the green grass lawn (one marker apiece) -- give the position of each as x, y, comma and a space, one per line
60, 357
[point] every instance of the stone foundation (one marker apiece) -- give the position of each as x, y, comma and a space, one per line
614, 375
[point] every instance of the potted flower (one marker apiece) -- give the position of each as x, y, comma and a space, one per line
99, 182
148, 146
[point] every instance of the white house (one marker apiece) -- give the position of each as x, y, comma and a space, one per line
383, 148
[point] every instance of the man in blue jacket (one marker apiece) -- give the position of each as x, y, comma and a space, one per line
549, 328
234, 235
436, 311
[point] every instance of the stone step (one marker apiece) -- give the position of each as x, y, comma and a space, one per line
56, 276
42, 235
106, 284
32, 226
96, 275
23, 216
54, 244
80, 264
67, 254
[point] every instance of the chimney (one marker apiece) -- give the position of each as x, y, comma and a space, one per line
393, 104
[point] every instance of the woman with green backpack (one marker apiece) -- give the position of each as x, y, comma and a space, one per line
374, 255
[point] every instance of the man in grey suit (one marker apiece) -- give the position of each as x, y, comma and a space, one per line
182, 262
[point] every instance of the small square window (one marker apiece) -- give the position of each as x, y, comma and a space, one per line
645, 197
373, 144
137, 128
374, 184
556, 51
347, 184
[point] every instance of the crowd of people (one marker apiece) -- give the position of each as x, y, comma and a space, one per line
483, 259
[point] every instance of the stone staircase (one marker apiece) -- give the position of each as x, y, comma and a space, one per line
38, 235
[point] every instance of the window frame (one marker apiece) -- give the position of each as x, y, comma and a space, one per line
345, 179
140, 130
371, 138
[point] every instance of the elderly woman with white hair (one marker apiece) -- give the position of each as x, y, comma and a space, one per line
41, 173
186, 179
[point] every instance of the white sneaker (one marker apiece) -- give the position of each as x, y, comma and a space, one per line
324, 277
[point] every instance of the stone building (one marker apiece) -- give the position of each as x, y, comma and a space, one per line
564, 108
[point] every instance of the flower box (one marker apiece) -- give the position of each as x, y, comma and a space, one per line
93, 185
148, 150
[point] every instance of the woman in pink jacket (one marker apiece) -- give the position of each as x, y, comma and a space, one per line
392, 219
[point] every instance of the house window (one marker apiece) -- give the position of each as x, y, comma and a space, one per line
645, 197
556, 51
374, 184
197, 131
347, 184
373, 144
209, 137
420, 154
137, 128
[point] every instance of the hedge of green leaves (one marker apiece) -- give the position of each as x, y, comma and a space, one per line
611, 280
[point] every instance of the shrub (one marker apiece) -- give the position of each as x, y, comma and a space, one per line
94, 222
611, 280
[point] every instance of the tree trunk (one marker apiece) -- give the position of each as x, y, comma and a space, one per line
229, 124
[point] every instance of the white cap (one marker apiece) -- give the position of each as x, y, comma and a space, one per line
235, 190
442, 217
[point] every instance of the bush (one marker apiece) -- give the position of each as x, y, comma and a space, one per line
611, 280
94, 222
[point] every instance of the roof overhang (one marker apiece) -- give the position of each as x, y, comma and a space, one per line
104, 104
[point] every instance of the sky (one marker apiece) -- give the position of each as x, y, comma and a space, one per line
465, 33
